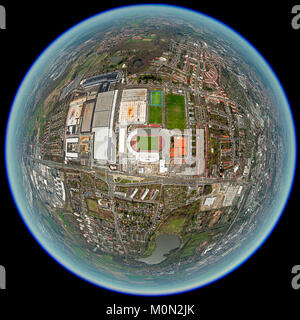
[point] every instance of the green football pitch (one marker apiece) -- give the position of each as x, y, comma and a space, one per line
156, 98
155, 115
147, 143
175, 112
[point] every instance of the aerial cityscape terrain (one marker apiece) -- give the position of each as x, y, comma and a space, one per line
151, 148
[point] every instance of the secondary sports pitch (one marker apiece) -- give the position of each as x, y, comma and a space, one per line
156, 98
147, 143
155, 115
175, 112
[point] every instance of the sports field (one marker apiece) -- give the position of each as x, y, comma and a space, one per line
156, 98
155, 115
146, 143
175, 112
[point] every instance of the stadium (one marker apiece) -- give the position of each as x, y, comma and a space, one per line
145, 144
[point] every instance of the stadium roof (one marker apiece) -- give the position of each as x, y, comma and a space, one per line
106, 77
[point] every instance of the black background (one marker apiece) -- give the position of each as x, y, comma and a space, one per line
261, 286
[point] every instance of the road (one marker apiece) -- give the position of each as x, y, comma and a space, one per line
111, 192
188, 180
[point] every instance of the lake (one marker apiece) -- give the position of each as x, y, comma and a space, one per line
164, 244
137, 63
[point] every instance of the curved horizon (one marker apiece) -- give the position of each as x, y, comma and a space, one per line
18, 194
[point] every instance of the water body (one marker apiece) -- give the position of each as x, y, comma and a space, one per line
138, 63
164, 244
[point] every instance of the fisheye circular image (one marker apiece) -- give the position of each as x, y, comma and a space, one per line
150, 150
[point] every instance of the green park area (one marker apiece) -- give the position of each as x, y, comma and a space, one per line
155, 115
92, 205
65, 221
150, 249
173, 225
194, 242
175, 112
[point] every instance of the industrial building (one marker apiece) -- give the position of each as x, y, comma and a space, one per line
95, 114
86, 125
102, 127
73, 116
103, 109
72, 147
230, 194
101, 143
133, 106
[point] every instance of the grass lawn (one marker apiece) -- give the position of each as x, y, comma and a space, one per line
175, 112
174, 225
92, 205
63, 218
146, 143
155, 115
156, 98
194, 242
150, 249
